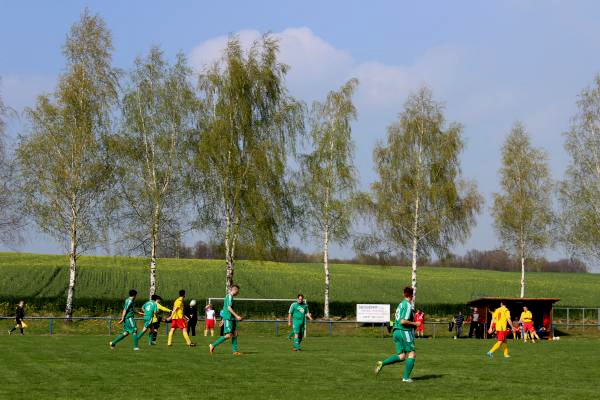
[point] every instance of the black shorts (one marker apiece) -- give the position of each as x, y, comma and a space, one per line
18, 321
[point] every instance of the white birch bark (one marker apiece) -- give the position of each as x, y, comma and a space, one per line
415, 232
153, 255
72, 265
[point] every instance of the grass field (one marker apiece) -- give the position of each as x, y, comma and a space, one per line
83, 367
109, 278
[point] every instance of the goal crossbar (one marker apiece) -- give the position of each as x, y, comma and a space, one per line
210, 299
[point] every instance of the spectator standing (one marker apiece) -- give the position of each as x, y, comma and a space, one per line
420, 317
458, 320
475, 327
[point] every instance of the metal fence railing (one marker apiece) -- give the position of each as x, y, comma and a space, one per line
565, 318
577, 317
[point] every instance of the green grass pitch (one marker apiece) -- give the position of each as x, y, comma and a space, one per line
83, 367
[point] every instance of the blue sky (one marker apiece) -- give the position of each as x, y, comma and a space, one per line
490, 62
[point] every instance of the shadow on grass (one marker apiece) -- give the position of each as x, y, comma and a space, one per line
427, 377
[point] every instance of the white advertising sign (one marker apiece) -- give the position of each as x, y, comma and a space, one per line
372, 313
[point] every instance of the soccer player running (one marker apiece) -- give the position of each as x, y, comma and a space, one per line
19, 317
500, 318
151, 308
527, 321
178, 321
403, 337
127, 319
230, 319
298, 313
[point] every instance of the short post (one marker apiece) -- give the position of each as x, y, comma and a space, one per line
567, 318
434, 329
109, 326
583, 319
276, 327
330, 327
50, 325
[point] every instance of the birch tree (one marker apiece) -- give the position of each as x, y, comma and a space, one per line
421, 202
62, 162
158, 110
523, 211
328, 175
11, 216
239, 164
579, 192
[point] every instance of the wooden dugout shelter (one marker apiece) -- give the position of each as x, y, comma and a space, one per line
541, 310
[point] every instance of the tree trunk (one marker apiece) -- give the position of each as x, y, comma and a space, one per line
414, 249
326, 268
522, 276
228, 255
72, 268
153, 257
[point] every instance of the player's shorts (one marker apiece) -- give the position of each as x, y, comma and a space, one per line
178, 324
19, 321
528, 327
298, 328
210, 324
421, 328
148, 323
501, 335
129, 326
229, 326
404, 341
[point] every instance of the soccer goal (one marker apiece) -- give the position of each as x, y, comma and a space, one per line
257, 307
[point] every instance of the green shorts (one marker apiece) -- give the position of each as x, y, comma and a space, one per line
404, 341
129, 326
298, 328
148, 323
229, 326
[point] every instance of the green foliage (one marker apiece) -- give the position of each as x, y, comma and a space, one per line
523, 211
336, 368
328, 176
148, 153
104, 281
63, 171
420, 194
239, 161
580, 191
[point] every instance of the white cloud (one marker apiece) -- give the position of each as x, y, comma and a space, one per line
317, 67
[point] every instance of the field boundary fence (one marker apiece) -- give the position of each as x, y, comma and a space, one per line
567, 318
576, 317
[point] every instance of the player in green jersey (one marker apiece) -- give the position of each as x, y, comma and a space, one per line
230, 319
151, 309
298, 313
127, 319
403, 336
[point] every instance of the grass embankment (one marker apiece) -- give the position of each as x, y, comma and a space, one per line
103, 282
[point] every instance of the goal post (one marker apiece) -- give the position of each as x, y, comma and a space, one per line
262, 308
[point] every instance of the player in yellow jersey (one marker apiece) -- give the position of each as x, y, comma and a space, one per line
527, 321
178, 321
500, 318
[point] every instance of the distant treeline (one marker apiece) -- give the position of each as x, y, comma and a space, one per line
496, 260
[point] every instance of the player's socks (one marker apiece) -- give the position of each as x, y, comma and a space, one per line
234, 346
296, 343
408, 367
495, 347
150, 338
12, 330
219, 341
170, 338
154, 336
119, 338
205, 332
135, 341
186, 337
391, 360
505, 350
21, 331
